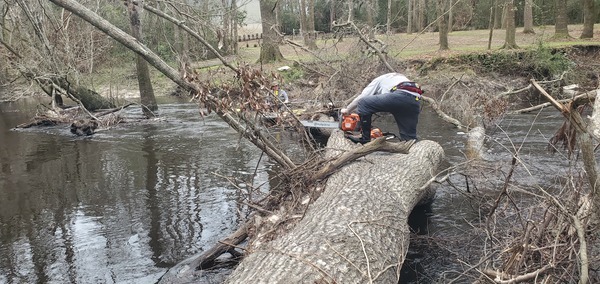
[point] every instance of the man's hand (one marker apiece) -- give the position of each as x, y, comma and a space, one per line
344, 111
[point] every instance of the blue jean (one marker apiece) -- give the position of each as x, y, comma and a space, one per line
402, 105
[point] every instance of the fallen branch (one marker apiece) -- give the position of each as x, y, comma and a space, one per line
435, 106
379, 144
109, 111
503, 278
579, 99
184, 272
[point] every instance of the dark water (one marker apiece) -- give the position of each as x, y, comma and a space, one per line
125, 204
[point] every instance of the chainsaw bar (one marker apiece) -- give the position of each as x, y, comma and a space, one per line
320, 124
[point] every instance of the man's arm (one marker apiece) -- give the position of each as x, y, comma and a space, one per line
369, 90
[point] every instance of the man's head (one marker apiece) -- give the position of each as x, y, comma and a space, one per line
274, 85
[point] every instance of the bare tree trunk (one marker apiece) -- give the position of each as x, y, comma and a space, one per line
498, 10
419, 10
310, 23
528, 17
442, 24
234, 25
225, 22
269, 50
388, 22
409, 20
589, 19
370, 7
511, 29
182, 47
303, 24
332, 14
561, 29
450, 15
356, 232
491, 23
148, 101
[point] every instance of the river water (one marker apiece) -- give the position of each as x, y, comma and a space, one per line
124, 205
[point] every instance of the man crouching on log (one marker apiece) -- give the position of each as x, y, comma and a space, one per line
357, 231
393, 93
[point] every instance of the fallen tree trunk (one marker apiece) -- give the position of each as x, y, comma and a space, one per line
357, 231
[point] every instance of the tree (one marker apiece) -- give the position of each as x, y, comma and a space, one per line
589, 18
528, 17
409, 6
307, 23
147, 99
561, 29
511, 29
442, 24
310, 23
332, 14
234, 25
269, 50
370, 18
388, 23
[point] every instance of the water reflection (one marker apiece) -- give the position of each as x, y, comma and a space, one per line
120, 206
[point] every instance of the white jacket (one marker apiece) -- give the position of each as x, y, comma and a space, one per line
380, 85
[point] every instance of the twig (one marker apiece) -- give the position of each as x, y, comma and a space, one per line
519, 278
449, 88
368, 43
362, 245
76, 100
193, 33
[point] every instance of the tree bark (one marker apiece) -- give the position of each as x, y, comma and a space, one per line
370, 7
388, 17
89, 99
269, 50
409, 20
234, 25
561, 28
357, 231
310, 23
442, 24
511, 29
589, 19
147, 99
332, 14
528, 17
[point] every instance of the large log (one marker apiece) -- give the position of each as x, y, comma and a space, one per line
357, 231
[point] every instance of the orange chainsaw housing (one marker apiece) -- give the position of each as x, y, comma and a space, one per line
350, 122
376, 133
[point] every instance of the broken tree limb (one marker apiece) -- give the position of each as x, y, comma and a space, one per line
585, 142
436, 107
357, 231
379, 144
586, 97
187, 271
